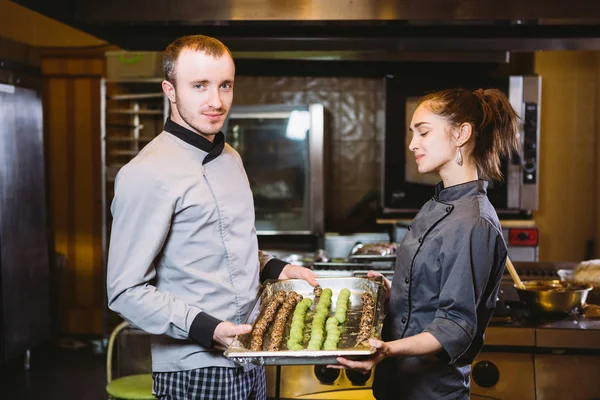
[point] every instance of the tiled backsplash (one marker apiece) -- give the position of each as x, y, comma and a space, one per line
354, 132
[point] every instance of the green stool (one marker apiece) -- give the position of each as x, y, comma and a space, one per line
133, 387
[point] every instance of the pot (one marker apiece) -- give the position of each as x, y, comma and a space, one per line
553, 296
568, 275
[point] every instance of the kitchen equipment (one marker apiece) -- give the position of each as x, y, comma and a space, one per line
348, 348
340, 246
553, 296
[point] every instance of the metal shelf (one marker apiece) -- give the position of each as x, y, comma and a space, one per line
128, 139
126, 126
136, 80
135, 112
123, 152
136, 96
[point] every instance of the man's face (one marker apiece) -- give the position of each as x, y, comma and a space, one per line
202, 96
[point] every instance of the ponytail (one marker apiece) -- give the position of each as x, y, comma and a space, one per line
498, 132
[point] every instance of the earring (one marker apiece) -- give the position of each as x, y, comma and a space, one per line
459, 159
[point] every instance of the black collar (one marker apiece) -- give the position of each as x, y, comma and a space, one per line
213, 149
455, 192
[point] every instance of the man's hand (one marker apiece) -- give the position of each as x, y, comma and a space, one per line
291, 271
367, 365
226, 331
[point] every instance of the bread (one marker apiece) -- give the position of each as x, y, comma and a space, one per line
588, 272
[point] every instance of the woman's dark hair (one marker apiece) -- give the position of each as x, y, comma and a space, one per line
495, 123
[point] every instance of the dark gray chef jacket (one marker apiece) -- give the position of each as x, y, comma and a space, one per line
446, 279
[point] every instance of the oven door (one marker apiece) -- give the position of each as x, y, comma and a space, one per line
282, 150
405, 190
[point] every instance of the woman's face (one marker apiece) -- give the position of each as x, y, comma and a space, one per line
432, 142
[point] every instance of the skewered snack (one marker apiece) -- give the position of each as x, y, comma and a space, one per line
341, 305
332, 325
318, 324
281, 319
263, 323
297, 328
366, 321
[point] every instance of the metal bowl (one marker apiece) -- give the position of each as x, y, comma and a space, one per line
554, 296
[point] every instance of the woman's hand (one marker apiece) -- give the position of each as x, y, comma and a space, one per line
382, 350
292, 271
388, 285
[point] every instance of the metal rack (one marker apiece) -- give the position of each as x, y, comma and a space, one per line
133, 112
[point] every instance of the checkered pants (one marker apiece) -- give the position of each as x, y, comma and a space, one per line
220, 383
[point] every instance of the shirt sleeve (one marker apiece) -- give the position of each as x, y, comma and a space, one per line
467, 257
270, 267
142, 211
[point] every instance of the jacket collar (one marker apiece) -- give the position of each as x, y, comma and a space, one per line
467, 189
214, 149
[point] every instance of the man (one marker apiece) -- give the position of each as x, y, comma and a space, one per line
184, 262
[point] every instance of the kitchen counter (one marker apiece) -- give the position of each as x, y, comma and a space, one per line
571, 332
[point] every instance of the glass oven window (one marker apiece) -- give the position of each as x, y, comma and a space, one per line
274, 146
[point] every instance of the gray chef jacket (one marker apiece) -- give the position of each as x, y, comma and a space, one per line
183, 252
446, 279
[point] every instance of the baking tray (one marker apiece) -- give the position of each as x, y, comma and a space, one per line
240, 352
351, 265
372, 257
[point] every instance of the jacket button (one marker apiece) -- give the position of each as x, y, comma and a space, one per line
406, 281
420, 240
403, 320
410, 226
448, 209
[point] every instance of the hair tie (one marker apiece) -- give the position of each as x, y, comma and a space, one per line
480, 93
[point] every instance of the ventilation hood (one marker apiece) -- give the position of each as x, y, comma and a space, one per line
337, 25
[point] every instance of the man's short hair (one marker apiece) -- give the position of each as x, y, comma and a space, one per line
206, 44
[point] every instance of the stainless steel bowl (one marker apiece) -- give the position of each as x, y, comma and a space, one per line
554, 296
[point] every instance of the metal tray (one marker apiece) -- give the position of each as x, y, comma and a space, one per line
352, 265
240, 352
372, 257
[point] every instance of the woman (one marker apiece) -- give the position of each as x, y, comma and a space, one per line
451, 260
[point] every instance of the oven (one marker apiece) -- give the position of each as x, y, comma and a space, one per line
282, 149
405, 190
318, 382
